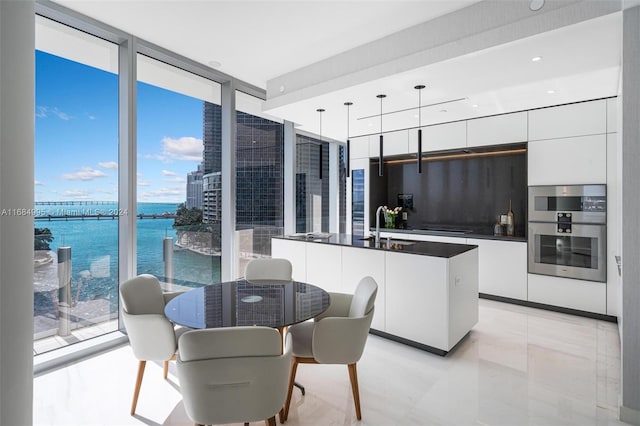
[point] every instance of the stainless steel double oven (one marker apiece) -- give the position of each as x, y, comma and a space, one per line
568, 231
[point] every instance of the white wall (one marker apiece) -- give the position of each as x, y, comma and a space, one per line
17, 43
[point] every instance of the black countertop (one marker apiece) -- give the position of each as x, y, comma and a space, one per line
453, 233
424, 248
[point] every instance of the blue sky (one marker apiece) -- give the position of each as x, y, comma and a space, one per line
76, 121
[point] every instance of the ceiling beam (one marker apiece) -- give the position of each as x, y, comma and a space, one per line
480, 26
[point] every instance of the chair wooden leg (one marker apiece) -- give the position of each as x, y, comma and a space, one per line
271, 421
136, 391
292, 379
353, 375
166, 369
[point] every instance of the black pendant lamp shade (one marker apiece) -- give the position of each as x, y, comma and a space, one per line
419, 156
381, 154
348, 104
321, 162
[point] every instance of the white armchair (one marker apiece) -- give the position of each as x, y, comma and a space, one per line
231, 375
268, 269
337, 336
151, 334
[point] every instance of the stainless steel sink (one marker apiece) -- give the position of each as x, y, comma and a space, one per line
392, 241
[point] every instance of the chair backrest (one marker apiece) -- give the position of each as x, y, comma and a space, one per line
268, 269
364, 297
233, 375
151, 334
142, 295
341, 340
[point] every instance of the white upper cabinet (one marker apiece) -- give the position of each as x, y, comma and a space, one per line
569, 161
395, 143
499, 129
584, 118
440, 137
612, 115
359, 147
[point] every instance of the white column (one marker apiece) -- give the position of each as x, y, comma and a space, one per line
17, 44
228, 232
630, 374
127, 159
289, 178
334, 189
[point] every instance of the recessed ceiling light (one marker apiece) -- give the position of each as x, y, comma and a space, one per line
214, 64
551, 92
281, 89
536, 58
536, 4
474, 106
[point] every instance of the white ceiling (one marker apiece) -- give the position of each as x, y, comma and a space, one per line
256, 41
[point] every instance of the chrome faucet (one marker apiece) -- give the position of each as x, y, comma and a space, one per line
377, 237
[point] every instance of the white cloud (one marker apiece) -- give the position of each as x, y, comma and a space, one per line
169, 173
108, 165
37, 182
176, 179
186, 148
165, 193
76, 193
85, 174
143, 182
45, 112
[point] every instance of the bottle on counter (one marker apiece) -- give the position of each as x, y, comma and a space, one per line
510, 224
497, 228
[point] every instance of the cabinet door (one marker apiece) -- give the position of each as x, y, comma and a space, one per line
582, 295
440, 137
502, 267
579, 160
295, 252
394, 143
499, 129
584, 118
359, 147
358, 263
324, 266
417, 294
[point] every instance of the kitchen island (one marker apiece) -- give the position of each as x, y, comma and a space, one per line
427, 291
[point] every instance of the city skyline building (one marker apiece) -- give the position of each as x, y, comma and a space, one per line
195, 188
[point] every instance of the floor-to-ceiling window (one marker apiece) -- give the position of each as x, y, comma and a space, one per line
259, 180
76, 186
178, 175
312, 184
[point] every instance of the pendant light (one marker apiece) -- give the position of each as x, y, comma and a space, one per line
320, 110
381, 154
348, 104
419, 88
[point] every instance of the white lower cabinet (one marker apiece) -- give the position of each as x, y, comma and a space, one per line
432, 300
502, 267
357, 264
582, 295
296, 252
324, 266
422, 237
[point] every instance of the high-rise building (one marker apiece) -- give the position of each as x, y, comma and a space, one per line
259, 175
194, 188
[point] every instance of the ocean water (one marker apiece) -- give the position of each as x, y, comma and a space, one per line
94, 249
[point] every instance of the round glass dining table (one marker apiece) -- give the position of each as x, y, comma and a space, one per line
269, 303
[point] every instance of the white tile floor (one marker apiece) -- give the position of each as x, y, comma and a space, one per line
519, 366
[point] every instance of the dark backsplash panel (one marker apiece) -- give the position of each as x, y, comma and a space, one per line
456, 194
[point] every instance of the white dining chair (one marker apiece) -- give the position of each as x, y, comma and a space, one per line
268, 269
151, 335
337, 336
233, 375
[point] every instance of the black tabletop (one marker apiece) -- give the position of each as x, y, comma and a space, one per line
239, 303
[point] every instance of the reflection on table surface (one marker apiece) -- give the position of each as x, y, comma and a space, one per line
269, 303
